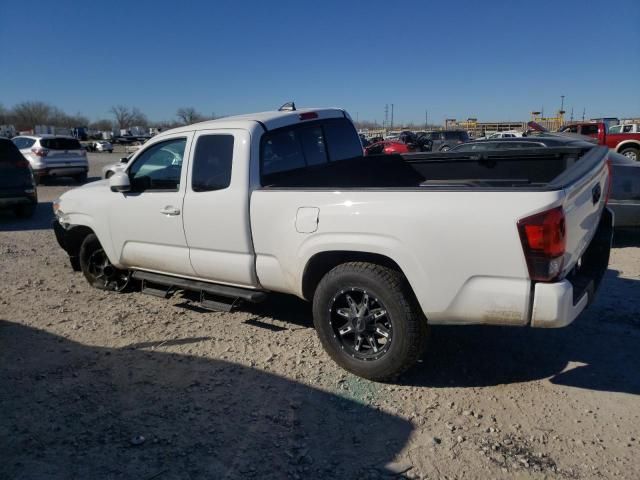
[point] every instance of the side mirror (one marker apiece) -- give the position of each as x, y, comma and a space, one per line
119, 182
124, 159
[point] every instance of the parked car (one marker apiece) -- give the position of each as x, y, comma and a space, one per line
103, 146
627, 143
389, 147
405, 143
505, 134
381, 246
446, 139
112, 168
624, 197
54, 156
17, 185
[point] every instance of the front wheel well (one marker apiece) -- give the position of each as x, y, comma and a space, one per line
74, 238
322, 263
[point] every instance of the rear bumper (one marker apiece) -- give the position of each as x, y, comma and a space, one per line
18, 197
61, 171
558, 304
10, 201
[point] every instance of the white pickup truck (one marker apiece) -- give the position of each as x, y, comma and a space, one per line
383, 246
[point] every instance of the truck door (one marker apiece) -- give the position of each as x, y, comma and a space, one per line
146, 222
216, 208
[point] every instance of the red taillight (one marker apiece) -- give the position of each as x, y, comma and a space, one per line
544, 240
308, 115
40, 152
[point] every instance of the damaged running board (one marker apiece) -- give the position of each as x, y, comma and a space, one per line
226, 297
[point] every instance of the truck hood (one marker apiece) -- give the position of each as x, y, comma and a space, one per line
84, 192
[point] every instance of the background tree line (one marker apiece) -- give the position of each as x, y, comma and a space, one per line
26, 115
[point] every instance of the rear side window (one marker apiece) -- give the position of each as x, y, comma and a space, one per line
589, 130
9, 153
308, 145
341, 140
60, 144
212, 163
23, 142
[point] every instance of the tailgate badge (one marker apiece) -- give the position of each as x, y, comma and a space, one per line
596, 193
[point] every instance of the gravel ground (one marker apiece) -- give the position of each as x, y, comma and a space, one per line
102, 385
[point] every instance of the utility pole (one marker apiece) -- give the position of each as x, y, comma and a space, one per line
572, 114
562, 104
584, 111
386, 116
426, 119
392, 116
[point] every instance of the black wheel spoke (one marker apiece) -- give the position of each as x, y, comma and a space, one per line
382, 331
346, 328
372, 343
361, 324
358, 343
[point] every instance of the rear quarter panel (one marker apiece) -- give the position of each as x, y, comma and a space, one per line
459, 250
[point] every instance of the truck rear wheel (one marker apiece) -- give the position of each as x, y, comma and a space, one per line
368, 320
97, 268
631, 152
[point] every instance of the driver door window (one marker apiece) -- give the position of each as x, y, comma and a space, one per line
159, 167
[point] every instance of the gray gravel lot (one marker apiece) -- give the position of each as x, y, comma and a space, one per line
104, 385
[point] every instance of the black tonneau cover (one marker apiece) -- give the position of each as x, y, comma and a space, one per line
522, 169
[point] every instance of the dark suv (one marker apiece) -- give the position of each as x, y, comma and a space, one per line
17, 185
446, 139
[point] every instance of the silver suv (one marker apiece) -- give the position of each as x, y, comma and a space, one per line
54, 156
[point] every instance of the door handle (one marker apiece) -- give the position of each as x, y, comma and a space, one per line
169, 210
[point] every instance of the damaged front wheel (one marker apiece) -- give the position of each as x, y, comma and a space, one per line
97, 267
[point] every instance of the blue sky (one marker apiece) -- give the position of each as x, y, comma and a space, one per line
492, 60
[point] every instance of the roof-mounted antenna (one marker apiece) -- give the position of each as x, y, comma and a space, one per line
288, 107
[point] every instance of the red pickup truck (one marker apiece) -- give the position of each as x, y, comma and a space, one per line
628, 144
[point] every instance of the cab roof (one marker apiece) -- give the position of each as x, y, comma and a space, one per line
268, 120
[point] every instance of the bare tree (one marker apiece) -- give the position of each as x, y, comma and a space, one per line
128, 117
27, 115
122, 115
188, 115
137, 118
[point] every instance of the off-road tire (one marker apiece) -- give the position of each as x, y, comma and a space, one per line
391, 287
631, 150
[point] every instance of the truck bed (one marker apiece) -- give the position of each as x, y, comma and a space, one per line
524, 169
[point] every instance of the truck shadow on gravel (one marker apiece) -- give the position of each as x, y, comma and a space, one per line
76, 411
41, 219
599, 351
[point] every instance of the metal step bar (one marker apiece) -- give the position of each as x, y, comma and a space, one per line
173, 283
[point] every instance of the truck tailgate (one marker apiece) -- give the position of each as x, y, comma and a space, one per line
583, 204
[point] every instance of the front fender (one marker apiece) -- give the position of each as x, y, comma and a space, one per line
77, 219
